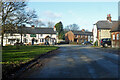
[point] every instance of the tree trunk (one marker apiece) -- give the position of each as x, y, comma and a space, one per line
2, 39
2, 35
21, 38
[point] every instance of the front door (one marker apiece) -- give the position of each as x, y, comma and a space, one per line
33, 41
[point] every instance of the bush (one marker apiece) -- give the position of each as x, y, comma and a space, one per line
75, 43
96, 43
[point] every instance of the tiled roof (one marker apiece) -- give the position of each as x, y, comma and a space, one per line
37, 30
105, 24
116, 27
82, 33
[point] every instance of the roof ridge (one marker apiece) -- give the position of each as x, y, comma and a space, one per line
107, 20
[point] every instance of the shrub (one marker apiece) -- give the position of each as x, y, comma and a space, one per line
96, 43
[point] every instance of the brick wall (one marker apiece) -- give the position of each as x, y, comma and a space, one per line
82, 38
115, 43
69, 37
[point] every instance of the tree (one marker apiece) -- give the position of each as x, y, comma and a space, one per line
23, 18
14, 13
87, 30
59, 29
38, 23
8, 13
50, 24
72, 27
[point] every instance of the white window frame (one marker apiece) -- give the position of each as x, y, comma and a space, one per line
41, 35
117, 36
113, 36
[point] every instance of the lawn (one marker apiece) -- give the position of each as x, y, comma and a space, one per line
12, 55
13, 58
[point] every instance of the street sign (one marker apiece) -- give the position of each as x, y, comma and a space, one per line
32, 35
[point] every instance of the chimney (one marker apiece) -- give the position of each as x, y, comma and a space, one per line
54, 28
83, 30
33, 26
109, 17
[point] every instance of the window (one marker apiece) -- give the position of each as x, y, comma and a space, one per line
25, 40
113, 36
117, 36
11, 34
75, 35
11, 41
36, 41
42, 40
51, 35
24, 35
41, 35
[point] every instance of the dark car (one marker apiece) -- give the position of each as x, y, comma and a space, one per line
105, 42
86, 42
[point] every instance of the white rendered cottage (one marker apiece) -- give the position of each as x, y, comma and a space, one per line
29, 33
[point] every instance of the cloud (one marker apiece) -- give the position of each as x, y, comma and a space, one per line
52, 15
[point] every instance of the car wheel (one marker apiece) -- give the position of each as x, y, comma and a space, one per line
106, 45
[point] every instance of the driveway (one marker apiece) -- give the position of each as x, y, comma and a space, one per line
73, 61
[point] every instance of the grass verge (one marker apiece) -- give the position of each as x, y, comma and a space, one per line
13, 58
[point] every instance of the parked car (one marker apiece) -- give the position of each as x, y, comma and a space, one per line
86, 42
105, 42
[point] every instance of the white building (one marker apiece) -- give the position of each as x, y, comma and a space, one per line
94, 33
31, 35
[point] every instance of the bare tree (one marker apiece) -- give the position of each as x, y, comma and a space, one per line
50, 24
72, 27
8, 12
38, 23
23, 18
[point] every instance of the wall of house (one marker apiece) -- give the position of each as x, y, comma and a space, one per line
115, 39
103, 33
94, 33
83, 38
69, 37
40, 39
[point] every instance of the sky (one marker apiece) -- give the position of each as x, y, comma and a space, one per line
85, 14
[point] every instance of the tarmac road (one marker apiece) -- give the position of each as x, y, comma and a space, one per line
72, 61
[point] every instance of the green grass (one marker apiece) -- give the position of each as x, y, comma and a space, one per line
12, 55
75, 43
95, 46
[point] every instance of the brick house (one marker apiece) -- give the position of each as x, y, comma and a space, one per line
78, 36
102, 29
115, 35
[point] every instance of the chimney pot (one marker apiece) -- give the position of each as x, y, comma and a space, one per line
54, 28
83, 30
109, 17
33, 26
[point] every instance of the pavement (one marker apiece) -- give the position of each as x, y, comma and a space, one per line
74, 61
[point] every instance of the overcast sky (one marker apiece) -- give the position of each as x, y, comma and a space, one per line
85, 14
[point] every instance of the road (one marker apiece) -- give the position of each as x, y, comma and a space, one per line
73, 61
